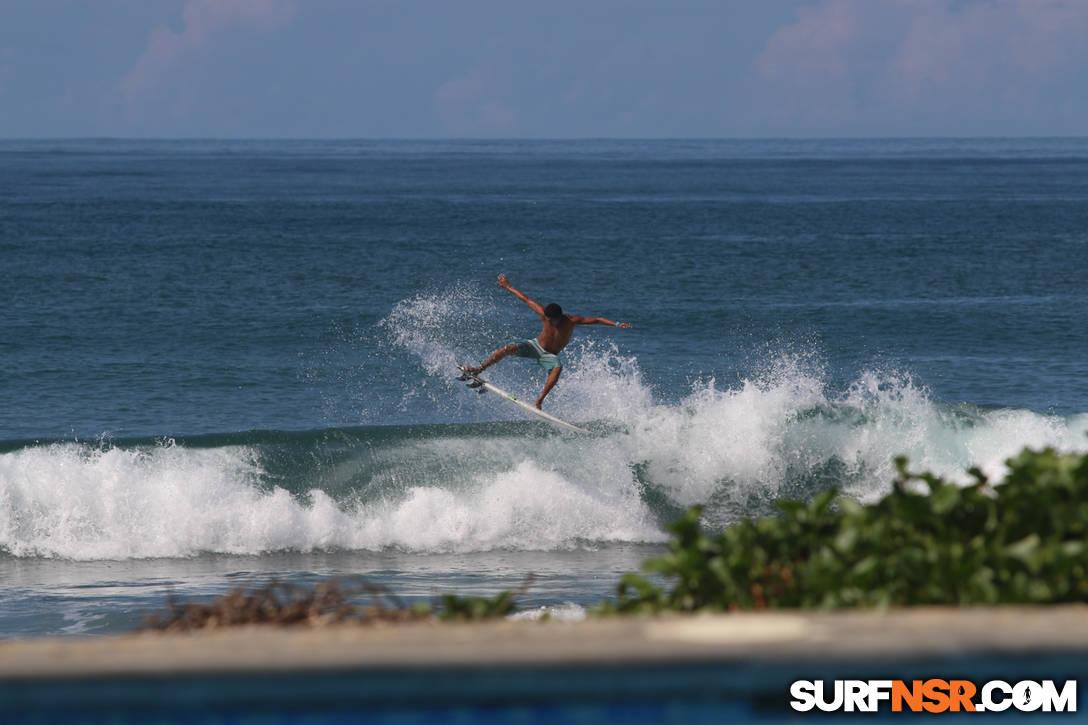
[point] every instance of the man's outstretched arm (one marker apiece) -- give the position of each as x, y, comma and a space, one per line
579, 320
533, 304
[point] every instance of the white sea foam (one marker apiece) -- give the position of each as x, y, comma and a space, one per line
734, 449
566, 612
765, 437
784, 432
73, 501
67, 500
775, 434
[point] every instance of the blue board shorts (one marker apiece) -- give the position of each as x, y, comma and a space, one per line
532, 349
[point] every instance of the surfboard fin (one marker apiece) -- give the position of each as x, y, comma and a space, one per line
471, 379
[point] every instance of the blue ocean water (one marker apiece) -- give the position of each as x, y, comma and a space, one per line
228, 360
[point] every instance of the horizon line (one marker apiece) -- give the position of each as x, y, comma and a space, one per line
544, 139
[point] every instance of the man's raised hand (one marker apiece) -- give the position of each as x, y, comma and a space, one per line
504, 282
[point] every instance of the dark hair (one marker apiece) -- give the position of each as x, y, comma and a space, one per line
553, 311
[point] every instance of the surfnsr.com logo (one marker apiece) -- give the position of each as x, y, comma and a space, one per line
933, 695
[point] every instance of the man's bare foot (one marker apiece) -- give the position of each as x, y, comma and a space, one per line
538, 404
471, 370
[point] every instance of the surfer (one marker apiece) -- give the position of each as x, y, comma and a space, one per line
545, 348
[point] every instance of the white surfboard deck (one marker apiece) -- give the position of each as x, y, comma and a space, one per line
479, 384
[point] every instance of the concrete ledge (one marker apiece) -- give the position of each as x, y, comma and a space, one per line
771, 638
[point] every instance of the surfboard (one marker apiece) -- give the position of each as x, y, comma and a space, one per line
478, 384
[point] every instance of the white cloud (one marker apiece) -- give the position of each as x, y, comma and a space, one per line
494, 114
469, 105
7, 66
462, 91
204, 22
845, 60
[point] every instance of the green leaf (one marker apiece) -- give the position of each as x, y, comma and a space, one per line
1023, 541
1024, 549
945, 498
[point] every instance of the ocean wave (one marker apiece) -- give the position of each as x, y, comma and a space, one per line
477, 487
785, 431
88, 502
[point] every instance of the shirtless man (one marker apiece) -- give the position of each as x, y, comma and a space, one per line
553, 337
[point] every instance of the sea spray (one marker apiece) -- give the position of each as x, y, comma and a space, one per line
437, 330
83, 502
440, 328
479, 487
73, 501
784, 430
525, 508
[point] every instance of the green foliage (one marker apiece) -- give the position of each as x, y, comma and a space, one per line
456, 608
927, 542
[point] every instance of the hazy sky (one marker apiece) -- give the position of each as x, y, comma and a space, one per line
507, 68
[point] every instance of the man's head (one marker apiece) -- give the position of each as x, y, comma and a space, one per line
553, 312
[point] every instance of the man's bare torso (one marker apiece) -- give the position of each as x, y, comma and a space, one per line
554, 338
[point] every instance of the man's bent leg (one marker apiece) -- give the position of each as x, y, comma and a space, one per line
495, 357
553, 378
